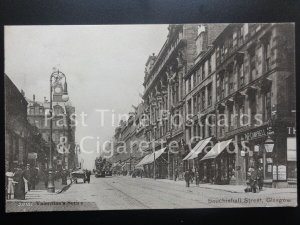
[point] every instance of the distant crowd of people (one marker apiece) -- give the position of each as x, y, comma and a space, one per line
22, 179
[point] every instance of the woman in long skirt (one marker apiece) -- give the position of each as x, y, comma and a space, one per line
19, 185
10, 185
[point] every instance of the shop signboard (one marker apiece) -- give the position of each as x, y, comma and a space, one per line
32, 155
257, 133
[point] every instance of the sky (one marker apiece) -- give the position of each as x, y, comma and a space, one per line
104, 66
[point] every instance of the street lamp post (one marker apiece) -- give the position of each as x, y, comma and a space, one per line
57, 76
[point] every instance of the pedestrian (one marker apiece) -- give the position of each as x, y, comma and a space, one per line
176, 174
45, 177
192, 175
64, 176
187, 178
260, 178
253, 179
27, 176
19, 191
142, 173
10, 184
33, 177
88, 176
197, 178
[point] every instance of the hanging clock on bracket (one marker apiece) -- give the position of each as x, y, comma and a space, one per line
58, 89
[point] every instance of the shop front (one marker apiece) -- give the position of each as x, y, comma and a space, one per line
273, 149
219, 163
194, 156
158, 160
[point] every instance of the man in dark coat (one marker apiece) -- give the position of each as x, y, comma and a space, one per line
187, 178
19, 184
64, 175
27, 175
260, 178
88, 176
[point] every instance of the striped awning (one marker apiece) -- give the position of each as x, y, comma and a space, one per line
216, 150
150, 158
197, 149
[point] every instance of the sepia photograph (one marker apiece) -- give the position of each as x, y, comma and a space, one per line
149, 116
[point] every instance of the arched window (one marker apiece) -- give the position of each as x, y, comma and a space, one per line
58, 110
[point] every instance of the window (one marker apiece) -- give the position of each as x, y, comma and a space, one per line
203, 129
195, 130
31, 110
241, 35
209, 65
199, 101
189, 85
209, 125
231, 81
189, 106
203, 99
37, 110
234, 36
209, 93
203, 72
252, 67
221, 118
230, 122
41, 111
267, 54
198, 74
195, 105
267, 106
242, 116
221, 87
253, 108
194, 80
241, 75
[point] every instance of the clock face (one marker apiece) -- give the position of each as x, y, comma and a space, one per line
58, 90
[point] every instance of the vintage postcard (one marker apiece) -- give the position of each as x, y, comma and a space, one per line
109, 117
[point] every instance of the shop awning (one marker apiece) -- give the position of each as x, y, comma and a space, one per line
150, 158
141, 163
216, 150
197, 149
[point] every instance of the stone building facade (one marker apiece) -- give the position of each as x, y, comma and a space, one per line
62, 127
164, 92
256, 77
126, 140
200, 97
23, 142
226, 94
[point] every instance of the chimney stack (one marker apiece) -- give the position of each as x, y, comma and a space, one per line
33, 98
45, 100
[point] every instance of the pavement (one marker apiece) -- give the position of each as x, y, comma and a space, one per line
232, 188
124, 192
